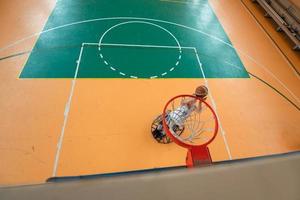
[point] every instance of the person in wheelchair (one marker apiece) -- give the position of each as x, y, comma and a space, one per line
176, 118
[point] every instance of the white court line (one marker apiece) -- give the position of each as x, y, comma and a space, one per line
214, 106
66, 115
184, 2
138, 45
275, 77
233, 65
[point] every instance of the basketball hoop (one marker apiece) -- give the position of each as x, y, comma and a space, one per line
199, 125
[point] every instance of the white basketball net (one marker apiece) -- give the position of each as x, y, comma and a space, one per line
193, 117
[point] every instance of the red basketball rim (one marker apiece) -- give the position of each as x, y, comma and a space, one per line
178, 141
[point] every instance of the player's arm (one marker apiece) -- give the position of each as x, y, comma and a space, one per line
200, 104
188, 102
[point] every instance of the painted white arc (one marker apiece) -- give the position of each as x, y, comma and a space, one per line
100, 44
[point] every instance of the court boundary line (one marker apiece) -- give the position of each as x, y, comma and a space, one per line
214, 106
66, 114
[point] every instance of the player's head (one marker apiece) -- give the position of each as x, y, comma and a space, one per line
201, 92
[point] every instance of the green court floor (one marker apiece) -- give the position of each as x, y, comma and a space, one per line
145, 40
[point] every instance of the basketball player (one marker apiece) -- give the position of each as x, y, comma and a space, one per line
176, 118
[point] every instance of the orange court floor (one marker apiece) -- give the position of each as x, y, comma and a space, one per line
108, 125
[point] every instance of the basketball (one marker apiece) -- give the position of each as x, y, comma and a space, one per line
201, 91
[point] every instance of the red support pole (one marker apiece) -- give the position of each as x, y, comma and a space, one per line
198, 157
